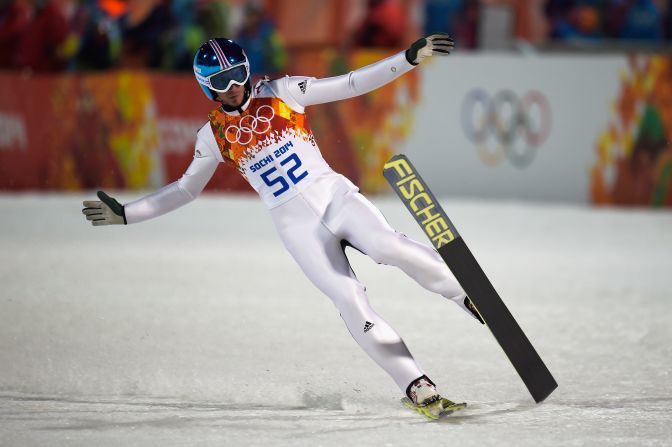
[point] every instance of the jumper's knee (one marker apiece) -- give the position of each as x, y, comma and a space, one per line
385, 248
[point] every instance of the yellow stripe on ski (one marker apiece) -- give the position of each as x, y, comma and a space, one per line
435, 410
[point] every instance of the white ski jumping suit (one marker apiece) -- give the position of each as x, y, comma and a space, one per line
315, 210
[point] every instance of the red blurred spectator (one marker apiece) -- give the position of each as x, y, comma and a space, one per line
466, 25
49, 42
384, 25
15, 17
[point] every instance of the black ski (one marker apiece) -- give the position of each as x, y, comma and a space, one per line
420, 201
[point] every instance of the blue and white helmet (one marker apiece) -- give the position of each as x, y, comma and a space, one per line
220, 63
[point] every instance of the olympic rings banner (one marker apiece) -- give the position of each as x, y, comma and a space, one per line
591, 129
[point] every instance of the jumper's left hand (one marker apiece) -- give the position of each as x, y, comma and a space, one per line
434, 44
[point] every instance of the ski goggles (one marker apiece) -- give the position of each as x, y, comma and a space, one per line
223, 80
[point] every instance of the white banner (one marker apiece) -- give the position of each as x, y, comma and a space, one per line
509, 126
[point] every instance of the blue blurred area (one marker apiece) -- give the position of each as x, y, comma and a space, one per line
626, 20
58, 35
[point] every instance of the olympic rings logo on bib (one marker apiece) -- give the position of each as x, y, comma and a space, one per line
250, 125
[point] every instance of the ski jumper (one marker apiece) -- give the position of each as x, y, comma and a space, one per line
316, 211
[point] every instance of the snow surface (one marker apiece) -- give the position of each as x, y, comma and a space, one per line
197, 329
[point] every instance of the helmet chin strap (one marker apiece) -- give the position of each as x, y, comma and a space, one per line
246, 96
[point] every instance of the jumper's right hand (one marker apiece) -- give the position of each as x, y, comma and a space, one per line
107, 211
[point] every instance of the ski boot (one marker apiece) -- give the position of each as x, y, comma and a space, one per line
423, 398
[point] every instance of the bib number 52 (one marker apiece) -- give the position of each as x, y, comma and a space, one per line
295, 163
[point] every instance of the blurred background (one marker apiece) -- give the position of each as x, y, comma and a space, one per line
566, 100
